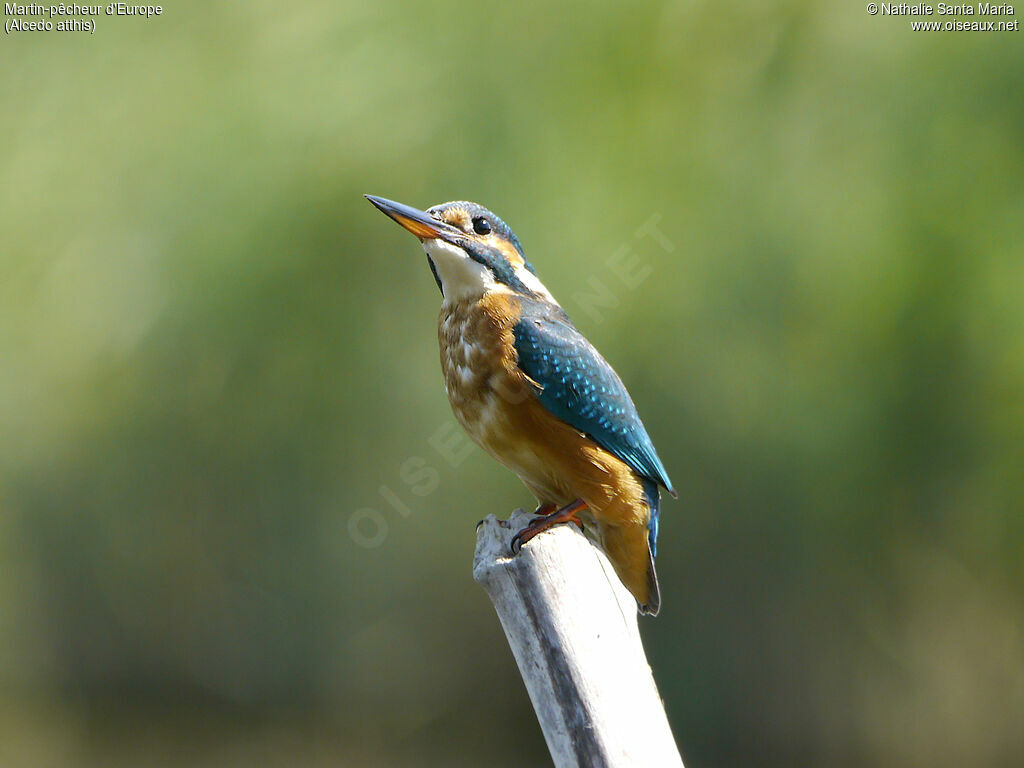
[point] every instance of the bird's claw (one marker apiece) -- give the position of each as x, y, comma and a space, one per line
525, 535
547, 519
517, 544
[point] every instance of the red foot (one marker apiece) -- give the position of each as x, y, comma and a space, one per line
566, 514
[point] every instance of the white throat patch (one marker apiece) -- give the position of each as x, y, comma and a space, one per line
461, 277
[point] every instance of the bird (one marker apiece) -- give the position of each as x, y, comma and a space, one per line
536, 395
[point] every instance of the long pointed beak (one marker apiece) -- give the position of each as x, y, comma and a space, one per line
420, 223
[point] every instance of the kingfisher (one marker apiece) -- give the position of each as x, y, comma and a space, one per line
532, 392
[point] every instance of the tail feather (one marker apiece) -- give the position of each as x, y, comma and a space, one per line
653, 604
631, 543
629, 548
654, 504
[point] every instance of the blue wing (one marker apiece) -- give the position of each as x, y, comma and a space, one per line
580, 388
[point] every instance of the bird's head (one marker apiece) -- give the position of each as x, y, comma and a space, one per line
470, 250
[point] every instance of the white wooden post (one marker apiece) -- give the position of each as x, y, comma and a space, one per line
573, 631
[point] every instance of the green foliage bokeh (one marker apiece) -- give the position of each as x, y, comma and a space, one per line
219, 375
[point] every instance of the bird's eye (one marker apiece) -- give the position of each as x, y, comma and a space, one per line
481, 226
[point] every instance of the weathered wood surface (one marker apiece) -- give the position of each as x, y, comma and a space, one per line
572, 628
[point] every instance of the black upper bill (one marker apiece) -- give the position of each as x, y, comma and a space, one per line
420, 223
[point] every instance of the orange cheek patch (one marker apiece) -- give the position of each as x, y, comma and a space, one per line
508, 251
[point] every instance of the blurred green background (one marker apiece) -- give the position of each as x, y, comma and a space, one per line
227, 536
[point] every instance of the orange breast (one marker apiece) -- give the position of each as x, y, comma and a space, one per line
478, 359
496, 404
